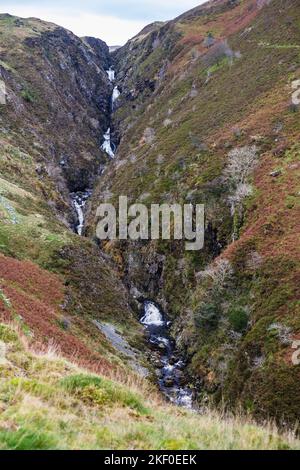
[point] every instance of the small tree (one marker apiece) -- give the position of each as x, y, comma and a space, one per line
241, 163
209, 41
209, 311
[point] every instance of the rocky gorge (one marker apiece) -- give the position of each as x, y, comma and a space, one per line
202, 110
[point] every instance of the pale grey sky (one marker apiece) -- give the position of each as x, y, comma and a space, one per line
114, 21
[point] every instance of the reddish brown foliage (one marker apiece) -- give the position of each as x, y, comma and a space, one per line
227, 24
32, 279
35, 295
193, 39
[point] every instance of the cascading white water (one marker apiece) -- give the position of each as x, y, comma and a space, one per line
79, 210
79, 202
80, 198
106, 146
152, 315
116, 94
111, 74
170, 373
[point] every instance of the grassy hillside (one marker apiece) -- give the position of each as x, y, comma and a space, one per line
48, 403
57, 283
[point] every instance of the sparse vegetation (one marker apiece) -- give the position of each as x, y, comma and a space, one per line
28, 95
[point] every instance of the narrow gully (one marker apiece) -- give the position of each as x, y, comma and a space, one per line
169, 366
108, 147
80, 199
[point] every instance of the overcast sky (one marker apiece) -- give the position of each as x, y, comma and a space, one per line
114, 21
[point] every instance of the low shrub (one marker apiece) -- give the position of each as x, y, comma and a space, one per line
238, 319
101, 392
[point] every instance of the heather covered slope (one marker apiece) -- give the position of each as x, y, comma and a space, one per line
206, 115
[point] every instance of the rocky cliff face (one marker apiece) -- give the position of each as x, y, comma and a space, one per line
206, 116
101, 50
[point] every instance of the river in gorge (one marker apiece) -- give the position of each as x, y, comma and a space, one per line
168, 364
79, 199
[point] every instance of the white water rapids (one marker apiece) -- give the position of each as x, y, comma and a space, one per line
107, 144
79, 211
152, 316
111, 74
79, 202
171, 369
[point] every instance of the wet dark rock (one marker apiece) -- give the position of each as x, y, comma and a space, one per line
173, 360
276, 173
169, 382
167, 362
181, 378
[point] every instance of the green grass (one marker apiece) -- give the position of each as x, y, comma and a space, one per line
29, 229
4, 299
56, 405
28, 95
99, 391
27, 438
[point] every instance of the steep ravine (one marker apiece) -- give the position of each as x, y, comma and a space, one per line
169, 363
202, 96
208, 113
80, 198
165, 359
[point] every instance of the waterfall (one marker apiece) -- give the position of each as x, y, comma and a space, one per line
79, 202
152, 315
170, 372
79, 210
111, 74
80, 198
115, 96
106, 146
